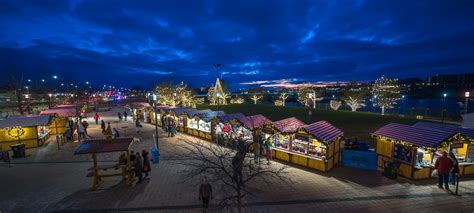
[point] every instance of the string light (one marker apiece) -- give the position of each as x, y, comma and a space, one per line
386, 93
15, 134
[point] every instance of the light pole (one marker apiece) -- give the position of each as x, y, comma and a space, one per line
49, 100
218, 95
27, 97
466, 101
156, 120
403, 105
443, 111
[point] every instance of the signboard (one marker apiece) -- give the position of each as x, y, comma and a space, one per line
268, 130
359, 159
403, 153
456, 144
302, 137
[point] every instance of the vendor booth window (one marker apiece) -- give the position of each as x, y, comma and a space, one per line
470, 153
460, 150
317, 149
204, 126
282, 141
181, 121
403, 153
423, 158
192, 124
299, 146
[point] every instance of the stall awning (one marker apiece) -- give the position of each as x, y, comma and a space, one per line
288, 125
447, 128
198, 112
413, 135
254, 121
30, 120
179, 111
226, 118
61, 111
139, 105
323, 131
104, 145
210, 115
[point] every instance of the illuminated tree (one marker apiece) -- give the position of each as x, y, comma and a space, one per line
237, 100
386, 93
306, 95
211, 97
283, 97
335, 104
279, 103
255, 98
224, 97
174, 95
355, 98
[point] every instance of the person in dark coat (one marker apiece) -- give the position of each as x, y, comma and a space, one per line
138, 166
454, 169
205, 193
443, 165
102, 125
146, 162
125, 115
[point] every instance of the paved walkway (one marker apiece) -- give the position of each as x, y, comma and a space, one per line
54, 180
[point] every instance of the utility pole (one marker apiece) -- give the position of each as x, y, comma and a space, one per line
466, 101
443, 112
156, 121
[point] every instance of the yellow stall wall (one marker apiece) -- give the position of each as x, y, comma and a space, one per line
29, 138
423, 173
300, 160
384, 148
316, 164
58, 125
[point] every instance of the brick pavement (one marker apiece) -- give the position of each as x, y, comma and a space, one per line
52, 180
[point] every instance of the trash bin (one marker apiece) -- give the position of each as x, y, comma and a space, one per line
390, 169
155, 155
18, 150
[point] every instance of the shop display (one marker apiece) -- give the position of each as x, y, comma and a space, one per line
204, 126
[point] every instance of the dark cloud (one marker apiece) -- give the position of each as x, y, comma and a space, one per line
142, 42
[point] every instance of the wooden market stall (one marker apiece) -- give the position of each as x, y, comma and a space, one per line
223, 129
161, 111
193, 121
139, 110
415, 148
60, 117
98, 172
463, 151
180, 116
31, 130
206, 123
283, 137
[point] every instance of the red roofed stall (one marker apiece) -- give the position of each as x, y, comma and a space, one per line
60, 117
415, 147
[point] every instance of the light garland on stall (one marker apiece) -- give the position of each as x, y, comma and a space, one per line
19, 131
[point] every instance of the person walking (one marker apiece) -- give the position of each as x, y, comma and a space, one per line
123, 163
138, 125
108, 132
81, 130
116, 133
146, 162
138, 166
119, 116
102, 125
454, 170
96, 118
125, 115
256, 151
443, 165
268, 148
205, 193
86, 125
68, 134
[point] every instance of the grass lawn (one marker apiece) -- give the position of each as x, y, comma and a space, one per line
359, 124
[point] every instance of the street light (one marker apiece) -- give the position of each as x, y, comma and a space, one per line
87, 82
466, 101
156, 120
42, 80
55, 77
27, 97
49, 100
443, 111
29, 80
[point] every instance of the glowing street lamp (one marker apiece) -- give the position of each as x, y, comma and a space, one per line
42, 80
87, 82
443, 112
29, 80
466, 101
55, 77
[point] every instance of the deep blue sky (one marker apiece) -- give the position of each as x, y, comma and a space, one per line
140, 42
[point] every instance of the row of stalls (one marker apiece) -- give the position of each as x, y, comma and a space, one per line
417, 147
316, 145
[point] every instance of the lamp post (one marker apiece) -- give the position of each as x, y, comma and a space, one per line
27, 97
466, 101
218, 95
443, 111
156, 120
49, 100
403, 105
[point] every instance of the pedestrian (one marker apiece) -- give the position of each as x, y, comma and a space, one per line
205, 193
108, 132
81, 130
116, 133
443, 165
132, 156
138, 165
454, 170
68, 134
125, 114
123, 163
119, 116
146, 162
268, 147
96, 118
86, 125
102, 125
256, 151
138, 125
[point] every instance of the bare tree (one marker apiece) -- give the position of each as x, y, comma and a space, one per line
16, 86
255, 98
283, 96
231, 169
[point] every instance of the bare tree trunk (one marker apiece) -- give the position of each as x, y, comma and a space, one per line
239, 199
383, 110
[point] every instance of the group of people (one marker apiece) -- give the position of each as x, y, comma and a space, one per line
141, 163
169, 126
447, 168
262, 146
122, 116
79, 125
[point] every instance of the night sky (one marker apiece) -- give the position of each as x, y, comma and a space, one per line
129, 43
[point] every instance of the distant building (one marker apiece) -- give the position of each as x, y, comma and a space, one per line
452, 81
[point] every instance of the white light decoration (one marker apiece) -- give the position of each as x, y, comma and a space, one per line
335, 104
354, 103
386, 93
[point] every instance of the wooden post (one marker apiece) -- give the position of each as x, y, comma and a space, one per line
129, 170
96, 179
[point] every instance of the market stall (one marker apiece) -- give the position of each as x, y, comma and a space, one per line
205, 123
180, 116
223, 130
463, 151
160, 111
98, 172
415, 148
60, 117
194, 125
284, 135
139, 110
30, 130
